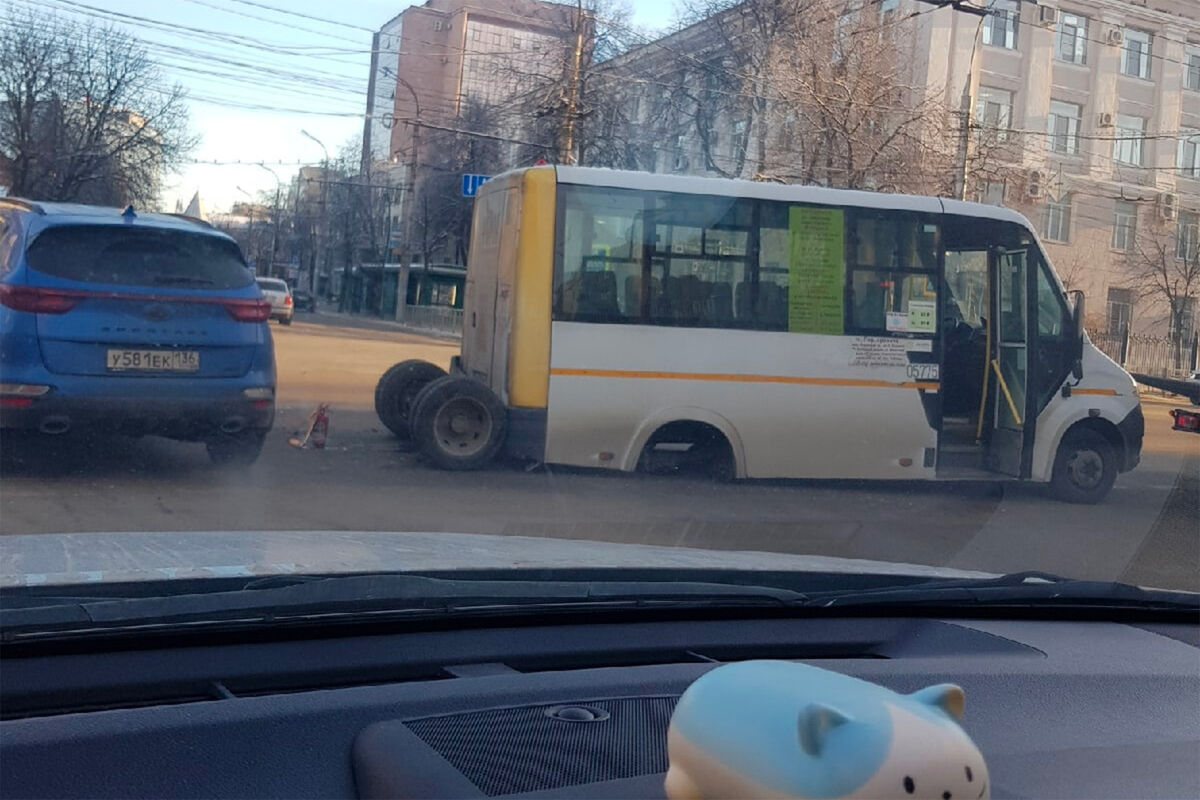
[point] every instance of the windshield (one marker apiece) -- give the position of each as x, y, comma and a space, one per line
768, 287
103, 254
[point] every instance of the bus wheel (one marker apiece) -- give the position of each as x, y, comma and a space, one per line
396, 390
1085, 467
458, 423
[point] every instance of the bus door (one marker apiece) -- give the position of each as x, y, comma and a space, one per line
1010, 443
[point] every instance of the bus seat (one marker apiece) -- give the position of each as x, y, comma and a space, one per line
772, 304
720, 303
633, 295
689, 300
598, 294
741, 296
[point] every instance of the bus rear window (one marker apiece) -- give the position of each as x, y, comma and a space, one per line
138, 257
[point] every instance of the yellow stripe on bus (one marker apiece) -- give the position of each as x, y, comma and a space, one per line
569, 372
1105, 392
529, 344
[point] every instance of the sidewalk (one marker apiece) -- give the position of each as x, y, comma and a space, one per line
366, 322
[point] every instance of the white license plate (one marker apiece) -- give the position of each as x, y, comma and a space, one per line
153, 360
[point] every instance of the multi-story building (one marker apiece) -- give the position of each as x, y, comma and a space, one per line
1102, 101
445, 60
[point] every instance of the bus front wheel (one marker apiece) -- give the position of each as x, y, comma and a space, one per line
458, 423
1084, 468
398, 388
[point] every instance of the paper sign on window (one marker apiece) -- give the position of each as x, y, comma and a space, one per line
816, 270
922, 316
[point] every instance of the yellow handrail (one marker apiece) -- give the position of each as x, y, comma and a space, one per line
987, 350
983, 396
1004, 388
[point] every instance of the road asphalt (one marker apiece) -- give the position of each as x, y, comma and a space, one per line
1147, 531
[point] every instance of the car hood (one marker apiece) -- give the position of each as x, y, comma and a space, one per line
75, 558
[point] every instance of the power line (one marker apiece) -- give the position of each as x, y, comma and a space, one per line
291, 13
269, 21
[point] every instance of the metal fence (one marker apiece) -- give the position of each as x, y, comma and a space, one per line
1150, 355
439, 319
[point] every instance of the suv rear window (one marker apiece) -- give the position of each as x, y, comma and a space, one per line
272, 284
138, 257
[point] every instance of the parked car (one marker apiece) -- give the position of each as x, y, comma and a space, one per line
132, 323
279, 295
303, 300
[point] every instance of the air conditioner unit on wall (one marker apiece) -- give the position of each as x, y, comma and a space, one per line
1035, 184
1115, 36
1168, 205
1105, 119
1048, 15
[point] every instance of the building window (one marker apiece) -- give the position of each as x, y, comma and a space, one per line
991, 192
1124, 225
993, 110
1191, 75
1131, 133
1071, 39
1063, 126
1135, 53
1120, 311
1187, 235
736, 147
681, 159
1183, 318
1188, 159
1056, 225
1000, 25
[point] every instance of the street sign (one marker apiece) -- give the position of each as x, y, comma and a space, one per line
471, 183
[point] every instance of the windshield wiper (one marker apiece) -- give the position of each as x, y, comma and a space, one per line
293, 599
1023, 589
406, 595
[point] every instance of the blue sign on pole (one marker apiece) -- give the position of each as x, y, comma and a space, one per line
471, 183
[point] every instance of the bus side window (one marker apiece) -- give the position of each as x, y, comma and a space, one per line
892, 280
1054, 346
700, 266
598, 260
770, 312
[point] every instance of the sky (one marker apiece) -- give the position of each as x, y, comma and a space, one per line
300, 71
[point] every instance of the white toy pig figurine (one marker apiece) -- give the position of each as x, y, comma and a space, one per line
779, 729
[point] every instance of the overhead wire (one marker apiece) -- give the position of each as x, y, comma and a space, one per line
268, 107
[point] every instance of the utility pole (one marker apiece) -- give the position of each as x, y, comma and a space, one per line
275, 210
369, 120
324, 217
409, 193
967, 104
567, 153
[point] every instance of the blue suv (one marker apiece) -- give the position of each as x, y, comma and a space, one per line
132, 323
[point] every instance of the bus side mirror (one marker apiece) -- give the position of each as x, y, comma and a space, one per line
1077, 315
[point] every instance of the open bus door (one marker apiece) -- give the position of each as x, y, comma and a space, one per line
1012, 328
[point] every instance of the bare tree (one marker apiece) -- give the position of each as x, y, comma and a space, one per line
443, 216
84, 113
571, 108
1166, 271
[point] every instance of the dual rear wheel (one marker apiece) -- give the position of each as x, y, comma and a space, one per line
455, 422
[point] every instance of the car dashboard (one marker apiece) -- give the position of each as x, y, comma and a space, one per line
573, 707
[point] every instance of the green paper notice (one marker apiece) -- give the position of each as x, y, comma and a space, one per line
817, 270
